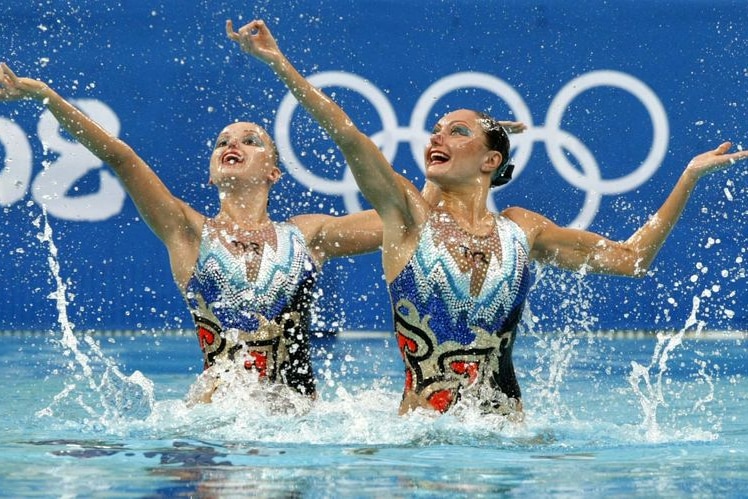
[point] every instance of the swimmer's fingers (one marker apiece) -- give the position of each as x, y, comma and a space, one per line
246, 32
7, 75
233, 35
14, 87
732, 158
716, 159
242, 36
720, 157
8, 84
255, 39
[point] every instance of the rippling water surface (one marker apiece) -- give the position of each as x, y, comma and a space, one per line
610, 417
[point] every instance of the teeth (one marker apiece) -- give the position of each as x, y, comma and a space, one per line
232, 161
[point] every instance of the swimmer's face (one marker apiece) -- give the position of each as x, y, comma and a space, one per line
243, 151
456, 149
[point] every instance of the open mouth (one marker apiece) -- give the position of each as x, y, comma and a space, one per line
231, 158
438, 157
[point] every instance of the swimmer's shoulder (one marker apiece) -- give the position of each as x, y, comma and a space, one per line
526, 219
309, 224
529, 222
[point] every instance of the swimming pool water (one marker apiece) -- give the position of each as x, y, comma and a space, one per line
592, 427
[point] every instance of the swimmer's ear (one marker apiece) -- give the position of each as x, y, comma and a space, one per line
492, 161
274, 175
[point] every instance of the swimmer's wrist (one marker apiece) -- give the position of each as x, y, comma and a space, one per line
41, 92
693, 174
277, 62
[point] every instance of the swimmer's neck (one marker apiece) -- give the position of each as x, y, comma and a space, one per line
467, 208
247, 214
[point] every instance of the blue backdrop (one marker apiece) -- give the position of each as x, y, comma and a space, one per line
619, 97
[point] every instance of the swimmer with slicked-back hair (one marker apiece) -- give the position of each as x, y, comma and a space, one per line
458, 275
248, 281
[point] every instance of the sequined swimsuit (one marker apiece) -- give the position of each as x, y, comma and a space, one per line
456, 306
250, 296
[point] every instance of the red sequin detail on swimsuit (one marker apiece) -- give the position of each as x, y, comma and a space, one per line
258, 362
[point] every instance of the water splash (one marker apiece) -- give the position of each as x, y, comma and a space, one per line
342, 416
109, 394
555, 353
648, 382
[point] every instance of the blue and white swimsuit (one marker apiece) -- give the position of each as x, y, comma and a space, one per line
456, 305
250, 295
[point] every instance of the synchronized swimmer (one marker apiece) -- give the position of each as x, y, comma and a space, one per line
248, 281
458, 275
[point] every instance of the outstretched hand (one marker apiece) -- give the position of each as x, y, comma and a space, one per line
14, 88
255, 39
716, 159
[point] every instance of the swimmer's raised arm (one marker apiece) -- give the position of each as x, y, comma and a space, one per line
390, 194
577, 249
165, 214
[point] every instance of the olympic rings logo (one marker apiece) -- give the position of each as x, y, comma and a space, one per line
557, 141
